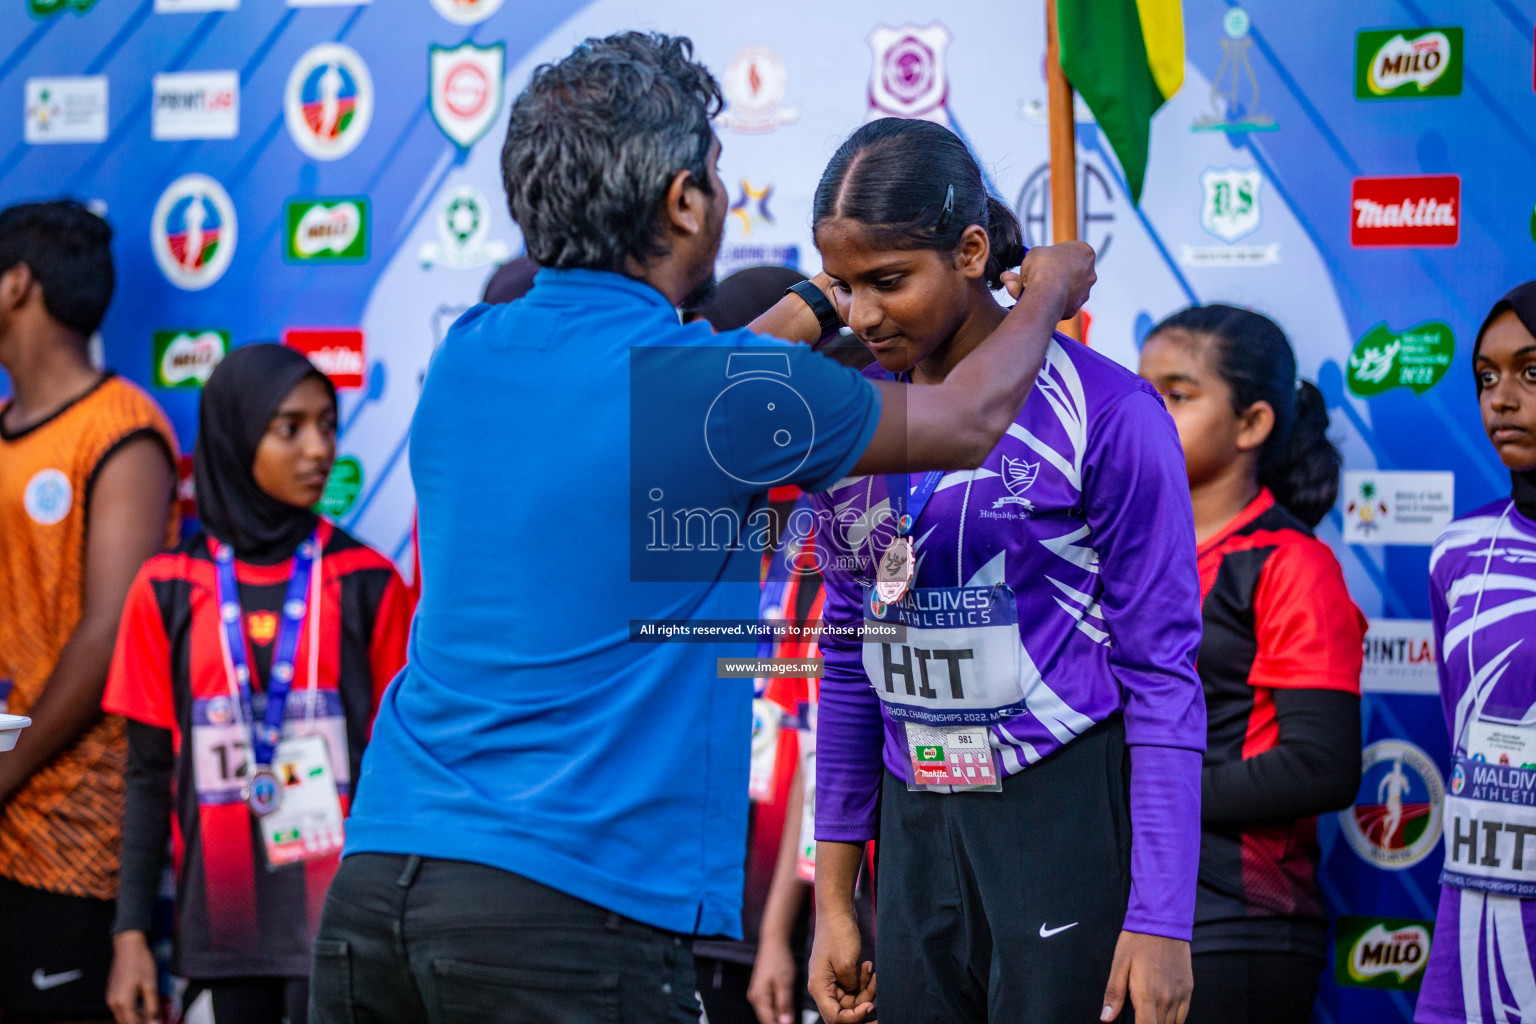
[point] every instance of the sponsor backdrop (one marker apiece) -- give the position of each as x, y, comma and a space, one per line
326, 174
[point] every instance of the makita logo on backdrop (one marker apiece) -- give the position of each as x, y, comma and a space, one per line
1413, 210
336, 352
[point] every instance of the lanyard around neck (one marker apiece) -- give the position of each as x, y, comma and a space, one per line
303, 584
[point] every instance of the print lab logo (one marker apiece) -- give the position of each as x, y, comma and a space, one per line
464, 234
70, 109
466, 12
1018, 476
48, 497
1373, 952
466, 89
909, 78
329, 101
755, 84
193, 231
1408, 63
1231, 110
1416, 358
1395, 822
196, 105
1410, 210
186, 358
326, 230
336, 352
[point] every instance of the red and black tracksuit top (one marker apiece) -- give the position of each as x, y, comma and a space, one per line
234, 916
1280, 663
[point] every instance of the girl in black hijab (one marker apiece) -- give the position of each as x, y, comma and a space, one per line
270, 592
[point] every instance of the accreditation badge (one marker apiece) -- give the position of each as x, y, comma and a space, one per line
307, 822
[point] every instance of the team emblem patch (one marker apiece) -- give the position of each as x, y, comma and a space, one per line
466, 89
192, 232
48, 497
329, 102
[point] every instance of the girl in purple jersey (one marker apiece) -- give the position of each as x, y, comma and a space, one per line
1021, 715
1482, 593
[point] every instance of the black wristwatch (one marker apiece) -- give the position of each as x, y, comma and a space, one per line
826, 313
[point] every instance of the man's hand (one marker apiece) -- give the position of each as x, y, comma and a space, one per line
772, 991
1065, 265
133, 980
843, 988
1156, 972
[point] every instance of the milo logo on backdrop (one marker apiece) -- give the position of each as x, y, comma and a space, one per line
1376, 952
1408, 63
326, 230
1416, 358
186, 358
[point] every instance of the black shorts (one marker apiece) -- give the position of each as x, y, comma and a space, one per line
1004, 907
55, 952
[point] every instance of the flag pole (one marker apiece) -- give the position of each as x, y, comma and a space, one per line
1063, 150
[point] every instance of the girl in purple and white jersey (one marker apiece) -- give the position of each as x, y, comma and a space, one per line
1027, 726
1483, 598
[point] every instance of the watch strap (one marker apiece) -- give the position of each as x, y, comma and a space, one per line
826, 313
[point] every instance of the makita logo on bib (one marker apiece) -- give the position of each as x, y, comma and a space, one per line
336, 352
1410, 211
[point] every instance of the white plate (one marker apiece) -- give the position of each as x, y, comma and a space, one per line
10, 729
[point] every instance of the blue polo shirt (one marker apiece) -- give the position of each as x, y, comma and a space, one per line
584, 465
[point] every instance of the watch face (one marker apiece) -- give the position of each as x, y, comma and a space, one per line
777, 442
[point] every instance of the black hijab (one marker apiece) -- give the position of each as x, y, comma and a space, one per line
1522, 302
238, 402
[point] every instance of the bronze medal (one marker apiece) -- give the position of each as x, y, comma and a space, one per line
894, 574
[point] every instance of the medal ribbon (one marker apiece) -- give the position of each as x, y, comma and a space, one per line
266, 734
899, 484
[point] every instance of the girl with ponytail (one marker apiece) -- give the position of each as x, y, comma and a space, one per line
1030, 743
1279, 659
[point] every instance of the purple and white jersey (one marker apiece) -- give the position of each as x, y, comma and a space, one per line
1083, 510
1480, 964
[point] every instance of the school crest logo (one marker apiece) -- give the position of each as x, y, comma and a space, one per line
755, 83
466, 12
463, 230
1018, 476
48, 497
1395, 822
193, 231
1231, 206
329, 102
909, 77
466, 89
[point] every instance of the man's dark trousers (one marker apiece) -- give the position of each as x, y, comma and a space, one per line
413, 940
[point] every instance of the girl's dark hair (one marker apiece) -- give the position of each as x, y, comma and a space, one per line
1298, 463
914, 185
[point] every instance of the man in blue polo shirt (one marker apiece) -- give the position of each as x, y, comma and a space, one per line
553, 803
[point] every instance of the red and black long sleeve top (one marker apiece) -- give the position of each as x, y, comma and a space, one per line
235, 916
1280, 663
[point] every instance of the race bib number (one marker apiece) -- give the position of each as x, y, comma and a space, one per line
221, 742
954, 676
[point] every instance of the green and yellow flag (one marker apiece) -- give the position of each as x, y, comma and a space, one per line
1126, 58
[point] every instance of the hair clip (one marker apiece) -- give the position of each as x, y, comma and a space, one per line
949, 208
